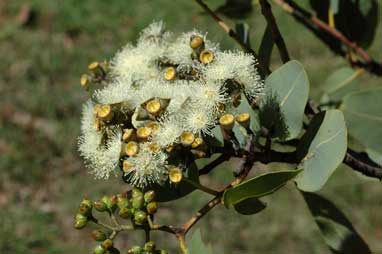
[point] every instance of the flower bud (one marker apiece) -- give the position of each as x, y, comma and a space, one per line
127, 166
170, 73
107, 244
197, 143
131, 148
149, 196
125, 213
206, 56
243, 119
85, 80
175, 175
135, 192
80, 221
94, 66
128, 135
111, 203
140, 217
135, 250
152, 207
85, 207
100, 206
143, 133
154, 148
196, 41
98, 235
122, 201
187, 138
149, 246
99, 250
105, 112
137, 202
227, 121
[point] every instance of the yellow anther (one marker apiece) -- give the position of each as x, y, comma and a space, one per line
84, 81
153, 106
128, 134
196, 41
126, 166
170, 73
227, 121
143, 132
187, 138
131, 148
175, 175
243, 119
197, 143
105, 112
206, 56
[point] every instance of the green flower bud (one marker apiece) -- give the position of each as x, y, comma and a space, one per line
100, 206
136, 192
149, 246
80, 221
122, 201
135, 250
140, 217
152, 207
125, 213
137, 202
85, 207
99, 250
149, 196
111, 203
107, 244
98, 235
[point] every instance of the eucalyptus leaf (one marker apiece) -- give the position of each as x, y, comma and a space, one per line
290, 83
250, 206
321, 149
266, 47
196, 245
236, 8
342, 82
337, 231
242, 29
258, 186
363, 116
374, 156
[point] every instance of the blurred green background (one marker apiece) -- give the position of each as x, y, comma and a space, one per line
45, 45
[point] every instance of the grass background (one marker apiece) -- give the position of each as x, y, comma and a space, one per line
42, 178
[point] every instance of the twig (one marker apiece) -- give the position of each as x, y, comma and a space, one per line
231, 33
212, 165
361, 163
277, 38
312, 23
201, 187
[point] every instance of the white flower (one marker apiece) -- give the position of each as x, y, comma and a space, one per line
102, 159
148, 167
169, 132
199, 120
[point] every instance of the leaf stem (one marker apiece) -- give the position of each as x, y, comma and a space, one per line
201, 187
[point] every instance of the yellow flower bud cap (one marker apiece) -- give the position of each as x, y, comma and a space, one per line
131, 148
93, 66
187, 138
143, 132
153, 106
243, 119
154, 126
196, 41
128, 134
105, 112
96, 108
175, 175
206, 56
197, 143
154, 148
170, 73
84, 80
227, 121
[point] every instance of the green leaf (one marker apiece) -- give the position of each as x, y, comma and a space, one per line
374, 156
356, 19
250, 206
290, 83
196, 245
258, 186
240, 132
363, 116
236, 8
321, 149
341, 82
266, 47
337, 231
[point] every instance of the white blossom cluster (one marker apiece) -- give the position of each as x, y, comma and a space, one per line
197, 97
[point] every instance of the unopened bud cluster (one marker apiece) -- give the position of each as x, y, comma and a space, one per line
164, 99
